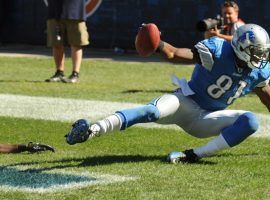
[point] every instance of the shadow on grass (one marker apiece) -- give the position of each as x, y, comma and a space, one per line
146, 91
96, 161
111, 159
240, 154
104, 160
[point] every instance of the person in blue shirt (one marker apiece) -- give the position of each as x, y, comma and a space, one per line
223, 72
66, 24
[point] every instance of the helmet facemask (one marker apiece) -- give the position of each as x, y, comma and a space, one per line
251, 45
259, 56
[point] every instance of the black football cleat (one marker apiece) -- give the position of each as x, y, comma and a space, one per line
188, 156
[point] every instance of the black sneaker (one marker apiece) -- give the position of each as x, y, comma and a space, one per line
57, 77
188, 156
73, 78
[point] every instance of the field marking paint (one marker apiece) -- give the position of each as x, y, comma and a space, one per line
69, 110
19, 178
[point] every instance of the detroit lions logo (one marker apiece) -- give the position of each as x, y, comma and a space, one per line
249, 35
91, 6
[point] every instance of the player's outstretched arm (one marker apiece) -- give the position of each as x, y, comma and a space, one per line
264, 94
148, 41
30, 147
10, 148
174, 54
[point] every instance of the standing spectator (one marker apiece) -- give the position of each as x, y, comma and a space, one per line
230, 12
66, 23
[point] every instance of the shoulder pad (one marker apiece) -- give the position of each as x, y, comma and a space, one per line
206, 56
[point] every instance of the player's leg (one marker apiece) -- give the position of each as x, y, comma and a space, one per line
230, 126
230, 136
162, 107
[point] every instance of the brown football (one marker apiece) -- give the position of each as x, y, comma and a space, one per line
147, 39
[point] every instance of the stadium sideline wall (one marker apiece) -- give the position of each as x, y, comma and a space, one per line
115, 22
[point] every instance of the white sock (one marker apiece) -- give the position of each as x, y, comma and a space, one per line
109, 124
216, 144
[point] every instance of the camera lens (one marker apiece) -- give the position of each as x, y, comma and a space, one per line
201, 26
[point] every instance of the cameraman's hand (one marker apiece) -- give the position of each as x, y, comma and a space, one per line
215, 31
211, 32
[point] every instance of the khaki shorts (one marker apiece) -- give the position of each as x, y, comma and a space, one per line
61, 32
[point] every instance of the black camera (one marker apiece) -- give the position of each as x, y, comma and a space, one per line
210, 23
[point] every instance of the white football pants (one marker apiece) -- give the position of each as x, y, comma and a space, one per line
186, 113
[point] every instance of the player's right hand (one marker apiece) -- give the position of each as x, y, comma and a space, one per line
38, 147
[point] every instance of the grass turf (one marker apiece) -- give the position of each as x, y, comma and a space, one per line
238, 173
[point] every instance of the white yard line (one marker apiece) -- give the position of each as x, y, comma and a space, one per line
69, 110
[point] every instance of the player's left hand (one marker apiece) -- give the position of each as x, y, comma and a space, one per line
38, 147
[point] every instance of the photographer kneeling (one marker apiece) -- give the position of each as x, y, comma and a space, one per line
229, 11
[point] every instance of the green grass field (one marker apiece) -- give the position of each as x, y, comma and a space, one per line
137, 155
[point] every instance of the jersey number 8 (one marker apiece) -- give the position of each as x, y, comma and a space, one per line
223, 84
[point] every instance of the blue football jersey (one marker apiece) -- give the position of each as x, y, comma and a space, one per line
218, 82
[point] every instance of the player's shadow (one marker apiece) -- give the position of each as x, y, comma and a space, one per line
110, 159
105, 160
96, 161
146, 91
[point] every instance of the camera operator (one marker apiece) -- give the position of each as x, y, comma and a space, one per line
229, 11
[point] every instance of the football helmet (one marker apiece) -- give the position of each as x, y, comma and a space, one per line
251, 45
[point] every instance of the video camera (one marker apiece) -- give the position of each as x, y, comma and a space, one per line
210, 23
